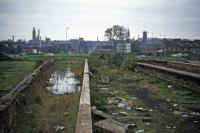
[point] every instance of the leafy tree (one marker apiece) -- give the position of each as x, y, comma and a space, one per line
117, 34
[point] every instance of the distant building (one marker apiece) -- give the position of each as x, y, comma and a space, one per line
38, 36
13, 38
124, 48
33, 34
144, 36
36, 39
48, 41
105, 46
82, 46
183, 47
151, 49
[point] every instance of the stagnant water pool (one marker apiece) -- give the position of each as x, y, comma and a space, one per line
63, 82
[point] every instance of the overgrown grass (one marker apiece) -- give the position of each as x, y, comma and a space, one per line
12, 72
47, 110
61, 56
145, 92
166, 58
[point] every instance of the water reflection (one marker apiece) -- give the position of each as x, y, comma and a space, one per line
63, 82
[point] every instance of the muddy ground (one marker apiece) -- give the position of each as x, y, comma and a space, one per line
152, 104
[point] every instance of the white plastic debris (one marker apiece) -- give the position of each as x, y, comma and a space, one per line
169, 86
58, 127
140, 131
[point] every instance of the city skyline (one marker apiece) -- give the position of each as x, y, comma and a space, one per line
89, 18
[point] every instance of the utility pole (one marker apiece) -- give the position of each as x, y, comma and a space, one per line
66, 33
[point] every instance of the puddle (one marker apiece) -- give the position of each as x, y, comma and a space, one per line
63, 82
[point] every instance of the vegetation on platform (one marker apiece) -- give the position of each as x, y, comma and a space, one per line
157, 99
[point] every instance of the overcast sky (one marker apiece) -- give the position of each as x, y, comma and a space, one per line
89, 18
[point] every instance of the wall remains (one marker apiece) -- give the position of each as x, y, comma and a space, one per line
11, 105
183, 78
175, 65
84, 119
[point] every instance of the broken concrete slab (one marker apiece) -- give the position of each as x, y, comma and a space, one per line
110, 126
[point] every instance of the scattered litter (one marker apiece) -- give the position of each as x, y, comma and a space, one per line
146, 119
123, 114
29, 112
59, 128
66, 113
174, 127
104, 89
177, 113
112, 94
195, 121
128, 108
169, 86
151, 110
111, 100
168, 127
120, 105
115, 114
141, 109
195, 113
184, 115
130, 128
140, 131
168, 99
118, 98
133, 98
49, 54
175, 105
93, 108
148, 123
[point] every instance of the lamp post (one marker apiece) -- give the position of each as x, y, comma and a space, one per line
66, 33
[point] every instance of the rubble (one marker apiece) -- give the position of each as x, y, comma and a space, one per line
169, 86
168, 127
177, 113
130, 128
123, 114
93, 108
58, 127
141, 109
66, 113
121, 105
140, 131
115, 114
146, 119
128, 108
110, 126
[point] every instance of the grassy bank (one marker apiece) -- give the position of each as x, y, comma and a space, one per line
12, 72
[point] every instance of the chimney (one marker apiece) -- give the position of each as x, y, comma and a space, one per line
38, 37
